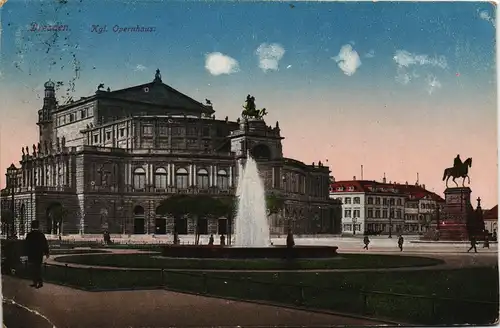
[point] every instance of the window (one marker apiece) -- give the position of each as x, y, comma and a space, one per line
181, 178
122, 132
64, 119
384, 201
163, 130
96, 138
369, 213
377, 213
347, 213
370, 200
139, 178
192, 131
83, 113
177, 131
347, 200
202, 180
392, 201
72, 117
161, 178
206, 131
400, 202
384, 213
222, 179
398, 214
377, 201
192, 142
357, 200
108, 135
356, 214
347, 227
147, 129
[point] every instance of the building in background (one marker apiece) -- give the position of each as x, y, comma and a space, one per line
490, 218
385, 208
107, 161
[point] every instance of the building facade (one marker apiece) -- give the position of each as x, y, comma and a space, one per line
107, 161
373, 207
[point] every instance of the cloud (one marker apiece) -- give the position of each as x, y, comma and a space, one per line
406, 59
370, 54
217, 64
348, 60
432, 84
140, 68
269, 56
485, 15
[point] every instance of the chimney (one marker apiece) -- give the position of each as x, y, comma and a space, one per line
406, 182
384, 180
354, 178
423, 186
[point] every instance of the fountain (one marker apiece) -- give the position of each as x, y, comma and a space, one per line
252, 236
251, 225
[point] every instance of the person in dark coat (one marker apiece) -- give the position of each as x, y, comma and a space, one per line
36, 247
222, 240
400, 242
366, 241
211, 240
473, 244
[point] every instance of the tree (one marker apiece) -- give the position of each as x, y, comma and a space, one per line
196, 206
274, 204
57, 214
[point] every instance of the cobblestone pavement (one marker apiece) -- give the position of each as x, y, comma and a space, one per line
67, 307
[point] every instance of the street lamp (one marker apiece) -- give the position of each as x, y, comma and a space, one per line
354, 221
11, 172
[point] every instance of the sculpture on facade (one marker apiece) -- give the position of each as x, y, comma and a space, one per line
100, 86
459, 170
250, 111
158, 75
34, 150
27, 150
45, 147
23, 151
63, 142
58, 144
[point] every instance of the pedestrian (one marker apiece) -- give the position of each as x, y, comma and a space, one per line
36, 247
366, 241
486, 241
222, 240
400, 242
211, 240
472, 244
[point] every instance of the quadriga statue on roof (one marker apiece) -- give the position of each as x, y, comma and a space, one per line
250, 110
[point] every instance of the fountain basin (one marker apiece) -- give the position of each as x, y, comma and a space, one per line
272, 252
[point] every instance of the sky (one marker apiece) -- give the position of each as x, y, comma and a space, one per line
400, 88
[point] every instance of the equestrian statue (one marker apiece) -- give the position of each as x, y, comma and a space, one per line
459, 170
250, 111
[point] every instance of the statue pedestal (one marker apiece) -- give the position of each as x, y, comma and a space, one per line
453, 218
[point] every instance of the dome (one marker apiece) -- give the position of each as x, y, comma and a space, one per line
49, 84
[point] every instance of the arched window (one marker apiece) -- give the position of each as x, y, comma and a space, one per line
139, 178
222, 179
161, 178
181, 178
202, 180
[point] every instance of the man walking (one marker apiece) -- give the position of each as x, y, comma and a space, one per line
473, 244
400, 242
36, 247
366, 241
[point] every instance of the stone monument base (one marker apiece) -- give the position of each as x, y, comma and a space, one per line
452, 230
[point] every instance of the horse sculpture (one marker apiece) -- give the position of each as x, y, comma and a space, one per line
461, 171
